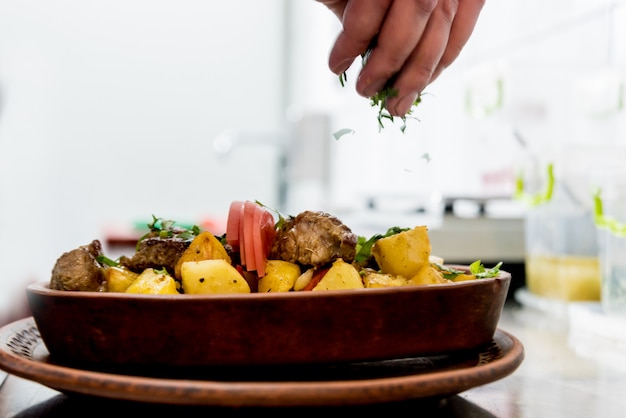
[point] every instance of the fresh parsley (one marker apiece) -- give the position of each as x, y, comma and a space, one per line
364, 245
476, 268
165, 228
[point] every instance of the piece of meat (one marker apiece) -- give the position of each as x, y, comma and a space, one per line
79, 269
314, 239
156, 252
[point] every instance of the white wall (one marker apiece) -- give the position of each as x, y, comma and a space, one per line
109, 111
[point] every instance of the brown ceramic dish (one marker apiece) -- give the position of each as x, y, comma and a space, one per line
260, 329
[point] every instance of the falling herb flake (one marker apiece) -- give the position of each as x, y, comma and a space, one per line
343, 132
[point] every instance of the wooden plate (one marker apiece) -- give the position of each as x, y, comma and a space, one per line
23, 353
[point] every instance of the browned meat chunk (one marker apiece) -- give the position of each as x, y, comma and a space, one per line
79, 269
314, 239
156, 252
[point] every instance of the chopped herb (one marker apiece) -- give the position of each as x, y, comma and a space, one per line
479, 270
379, 100
448, 272
364, 245
343, 132
476, 268
165, 228
102, 259
281, 218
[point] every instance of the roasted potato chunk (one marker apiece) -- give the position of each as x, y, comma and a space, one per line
403, 254
205, 246
280, 276
373, 278
341, 275
464, 277
212, 276
118, 279
152, 281
428, 275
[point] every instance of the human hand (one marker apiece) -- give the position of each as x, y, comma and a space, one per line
415, 40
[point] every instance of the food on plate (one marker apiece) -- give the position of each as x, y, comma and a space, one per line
341, 275
205, 246
79, 269
403, 254
314, 239
280, 276
118, 278
212, 276
153, 281
309, 252
161, 247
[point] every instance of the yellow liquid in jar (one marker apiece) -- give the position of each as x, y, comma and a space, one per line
569, 278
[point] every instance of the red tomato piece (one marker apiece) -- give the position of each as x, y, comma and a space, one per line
249, 226
268, 233
263, 237
257, 242
232, 224
242, 246
317, 277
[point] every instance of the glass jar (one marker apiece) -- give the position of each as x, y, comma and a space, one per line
610, 219
561, 242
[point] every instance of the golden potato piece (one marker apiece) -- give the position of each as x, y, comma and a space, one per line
205, 246
212, 276
341, 275
428, 275
373, 279
155, 282
464, 277
403, 254
280, 276
118, 279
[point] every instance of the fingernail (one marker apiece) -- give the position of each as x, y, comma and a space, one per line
371, 87
404, 104
342, 66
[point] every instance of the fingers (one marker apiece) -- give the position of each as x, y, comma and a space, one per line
415, 41
462, 28
401, 32
361, 22
420, 66
335, 6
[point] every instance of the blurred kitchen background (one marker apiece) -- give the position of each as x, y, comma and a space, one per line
111, 112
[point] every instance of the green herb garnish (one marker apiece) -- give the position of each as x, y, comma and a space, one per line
281, 218
364, 245
479, 270
379, 100
476, 268
102, 259
165, 228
